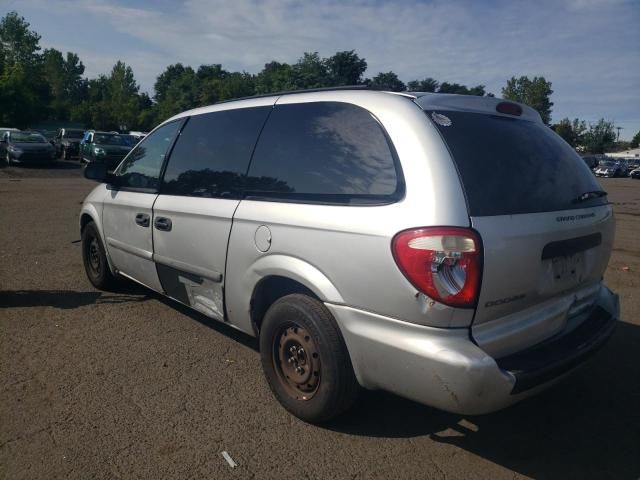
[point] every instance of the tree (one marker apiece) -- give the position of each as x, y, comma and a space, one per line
18, 44
427, 85
458, 89
23, 92
310, 71
175, 91
345, 68
122, 96
274, 77
600, 136
635, 140
387, 81
536, 93
571, 131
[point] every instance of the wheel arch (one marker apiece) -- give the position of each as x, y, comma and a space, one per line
270, 278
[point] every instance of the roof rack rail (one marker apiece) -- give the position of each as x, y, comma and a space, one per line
306, 90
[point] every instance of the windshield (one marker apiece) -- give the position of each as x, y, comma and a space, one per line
24, 137
511, 166
608, 164
107, 139
74, 134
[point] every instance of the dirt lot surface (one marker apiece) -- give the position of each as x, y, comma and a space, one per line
129, 385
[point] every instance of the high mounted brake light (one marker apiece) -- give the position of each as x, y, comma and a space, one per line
509, 108
444, 263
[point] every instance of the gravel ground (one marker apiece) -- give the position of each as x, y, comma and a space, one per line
130, 385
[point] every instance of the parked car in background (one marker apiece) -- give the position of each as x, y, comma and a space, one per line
610, 168
131, 140
5, 130
591, 161
108, 148
631, 165
635, 173
67, 142
303, 219
21, 147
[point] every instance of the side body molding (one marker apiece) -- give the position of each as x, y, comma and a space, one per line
240, 285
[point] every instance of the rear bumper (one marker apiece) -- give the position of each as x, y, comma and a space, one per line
443, 368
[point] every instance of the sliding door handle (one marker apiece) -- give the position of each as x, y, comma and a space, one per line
162, 223
142, 219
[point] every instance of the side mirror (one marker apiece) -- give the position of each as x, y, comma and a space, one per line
98, 172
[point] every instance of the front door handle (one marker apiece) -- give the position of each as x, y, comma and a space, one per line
162, 223
142, 219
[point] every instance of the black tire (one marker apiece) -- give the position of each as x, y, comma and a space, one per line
94, 259
327, 385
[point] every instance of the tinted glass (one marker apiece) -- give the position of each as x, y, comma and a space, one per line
325, 151
74, 134
24, 137
109, 139
141, 169
211, 156
510, 166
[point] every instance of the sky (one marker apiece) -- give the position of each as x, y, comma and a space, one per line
588, 49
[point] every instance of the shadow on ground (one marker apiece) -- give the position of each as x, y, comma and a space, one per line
588, 426
63, 299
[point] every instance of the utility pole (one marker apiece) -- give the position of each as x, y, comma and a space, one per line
619, 128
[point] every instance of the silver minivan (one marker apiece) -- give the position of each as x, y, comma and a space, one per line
449, 249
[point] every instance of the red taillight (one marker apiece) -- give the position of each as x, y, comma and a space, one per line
444, 263
509, 108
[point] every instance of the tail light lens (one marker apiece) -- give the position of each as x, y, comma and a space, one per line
444, 263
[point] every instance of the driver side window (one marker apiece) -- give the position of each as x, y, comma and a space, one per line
141, 168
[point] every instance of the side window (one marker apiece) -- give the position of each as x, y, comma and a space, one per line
141, 169
211, 156
324, 152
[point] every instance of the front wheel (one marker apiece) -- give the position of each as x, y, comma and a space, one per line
305, 359
94, 259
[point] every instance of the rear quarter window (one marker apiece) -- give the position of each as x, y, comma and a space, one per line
510, 166
325, 152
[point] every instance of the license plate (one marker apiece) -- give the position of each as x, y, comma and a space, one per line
567, 268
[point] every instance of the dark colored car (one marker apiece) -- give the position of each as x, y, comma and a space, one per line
26, 147
631, 165
610, 169
635, 173
591, 161
103, 147
67, 142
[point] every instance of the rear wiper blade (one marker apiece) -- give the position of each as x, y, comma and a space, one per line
589, 195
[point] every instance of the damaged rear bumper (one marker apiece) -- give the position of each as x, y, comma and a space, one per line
443, 368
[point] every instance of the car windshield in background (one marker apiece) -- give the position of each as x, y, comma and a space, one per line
74, 134
608, 164
110, 140
20, 137
510, 166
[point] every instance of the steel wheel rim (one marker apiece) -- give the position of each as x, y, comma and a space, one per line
297, 362
93, 255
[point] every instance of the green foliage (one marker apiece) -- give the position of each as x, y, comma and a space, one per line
571, 131
40, 85
536, 93
345, 68
427, 85
635, 141
599, 137
387, 81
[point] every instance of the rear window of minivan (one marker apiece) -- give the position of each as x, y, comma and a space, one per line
511, 166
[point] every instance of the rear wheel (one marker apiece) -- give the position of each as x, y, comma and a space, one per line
94, 259
305, 359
